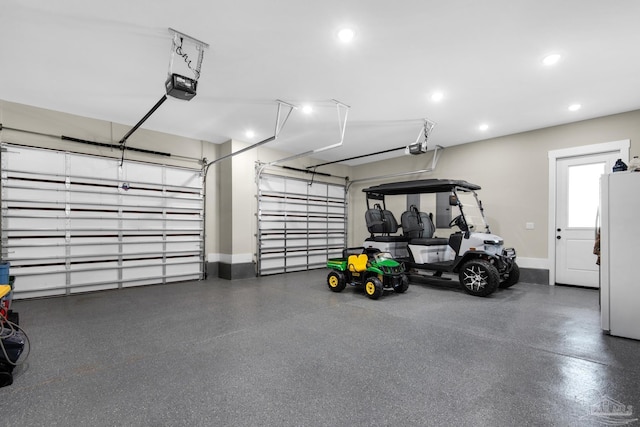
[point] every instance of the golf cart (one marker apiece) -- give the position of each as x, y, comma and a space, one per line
372, 268
473, 253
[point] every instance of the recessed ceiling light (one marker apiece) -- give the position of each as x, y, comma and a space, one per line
250, 134
437, 96
307, 109
346, 35
575, 107
483, 127
551, 59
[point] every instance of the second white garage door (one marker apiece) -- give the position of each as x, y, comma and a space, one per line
300, 223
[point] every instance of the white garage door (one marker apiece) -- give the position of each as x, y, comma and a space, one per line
78, 223
300, 223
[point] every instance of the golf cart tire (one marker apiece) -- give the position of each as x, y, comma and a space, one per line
402, 286
512, 278
479, 277
373, 287
336, 281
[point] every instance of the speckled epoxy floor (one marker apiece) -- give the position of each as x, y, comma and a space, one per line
285, 351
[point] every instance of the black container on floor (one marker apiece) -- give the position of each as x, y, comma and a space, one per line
13, 346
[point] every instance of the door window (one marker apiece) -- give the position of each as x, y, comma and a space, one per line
583, 194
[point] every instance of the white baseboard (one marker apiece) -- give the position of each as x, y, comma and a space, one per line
539, 263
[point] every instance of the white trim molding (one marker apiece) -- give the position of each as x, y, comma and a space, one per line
537, 263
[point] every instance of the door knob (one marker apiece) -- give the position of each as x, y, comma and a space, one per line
558, 237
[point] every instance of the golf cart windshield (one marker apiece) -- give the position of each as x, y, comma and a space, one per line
471, 209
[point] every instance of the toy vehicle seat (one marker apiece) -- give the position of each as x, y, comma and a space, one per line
357, 263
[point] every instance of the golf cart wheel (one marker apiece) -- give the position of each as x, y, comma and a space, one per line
512, 277
479, 278
336, 281
373, 287
403, 285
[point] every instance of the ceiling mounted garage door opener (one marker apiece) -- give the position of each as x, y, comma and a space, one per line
177, 85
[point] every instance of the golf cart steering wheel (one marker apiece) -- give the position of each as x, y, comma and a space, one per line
460, 222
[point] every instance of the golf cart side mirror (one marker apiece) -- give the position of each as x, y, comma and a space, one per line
453, 200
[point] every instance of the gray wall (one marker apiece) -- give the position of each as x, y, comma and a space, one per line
513, 172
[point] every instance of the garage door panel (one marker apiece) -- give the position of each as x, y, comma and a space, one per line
93, 167
272, 205
272, 183
95, 199
131, 248
186, 203
142, 269
336, 191
72, 225
149, 224
33, 232
31, 280
84, 274
140, 172
299, 223
272, 225
35, 161
182, 266
336, 210
184, 179
317, 190
28, 258
89, 225
37, 183
41, 285
37, 222
183, 247
43, 195
92, 288
184, 224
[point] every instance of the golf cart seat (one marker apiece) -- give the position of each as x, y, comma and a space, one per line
357, 263
418, 227
416, 223
381, 221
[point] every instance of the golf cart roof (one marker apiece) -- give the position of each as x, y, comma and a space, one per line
420, 186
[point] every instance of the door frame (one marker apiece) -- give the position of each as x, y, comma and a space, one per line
622, 146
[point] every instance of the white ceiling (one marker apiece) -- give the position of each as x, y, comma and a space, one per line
109, 60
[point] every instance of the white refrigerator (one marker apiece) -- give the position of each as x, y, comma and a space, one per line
620, 254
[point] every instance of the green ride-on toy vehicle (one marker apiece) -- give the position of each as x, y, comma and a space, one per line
375, 270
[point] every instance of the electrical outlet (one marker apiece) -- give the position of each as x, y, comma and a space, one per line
530, 226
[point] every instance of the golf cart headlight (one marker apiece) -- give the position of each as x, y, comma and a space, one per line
493, 242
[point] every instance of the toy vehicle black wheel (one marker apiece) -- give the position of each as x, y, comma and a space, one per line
512, 277
402, 286
373, 287
336, 281
479, 278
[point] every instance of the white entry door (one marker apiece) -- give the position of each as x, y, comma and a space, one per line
577, 199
